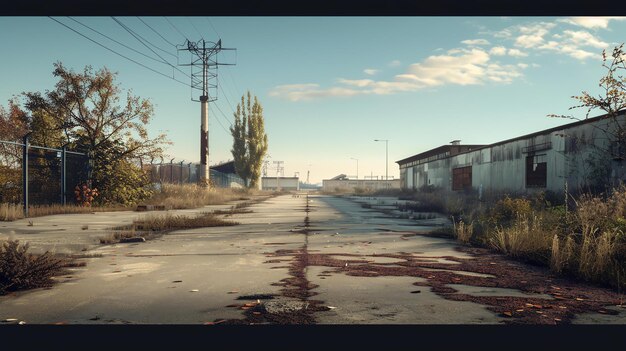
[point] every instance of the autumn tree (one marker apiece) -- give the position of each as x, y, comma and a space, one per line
13, 126
87, 110
249, 140
612, 101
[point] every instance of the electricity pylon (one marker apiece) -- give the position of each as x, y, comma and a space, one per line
203, 65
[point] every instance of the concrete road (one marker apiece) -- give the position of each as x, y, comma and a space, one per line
295, 259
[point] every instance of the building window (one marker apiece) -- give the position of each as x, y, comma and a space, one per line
536, 171
462, 178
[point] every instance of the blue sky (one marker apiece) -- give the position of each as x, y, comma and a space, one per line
331, 85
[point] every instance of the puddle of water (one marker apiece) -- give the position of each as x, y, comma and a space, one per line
490, 291
434, 259
472, 274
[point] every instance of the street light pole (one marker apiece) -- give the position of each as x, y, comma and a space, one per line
357, 166
386, 157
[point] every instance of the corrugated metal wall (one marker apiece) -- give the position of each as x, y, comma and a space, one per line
502, 167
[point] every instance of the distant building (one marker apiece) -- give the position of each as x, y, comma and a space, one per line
579, 153
342, 183
280, 183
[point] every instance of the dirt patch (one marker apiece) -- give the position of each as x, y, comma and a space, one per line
569, 298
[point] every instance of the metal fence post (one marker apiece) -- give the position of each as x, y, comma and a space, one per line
63, 175
181, 172
25, 174
172, 171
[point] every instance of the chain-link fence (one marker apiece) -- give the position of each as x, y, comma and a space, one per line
39, 175
180, 173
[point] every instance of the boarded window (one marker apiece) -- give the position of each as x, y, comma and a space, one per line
536, 171
462, 178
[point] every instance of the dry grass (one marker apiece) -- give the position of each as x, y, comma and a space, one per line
463, 232
153, 225
176, 196
20, 269
524, 238
172, 196
11, 212
563, 253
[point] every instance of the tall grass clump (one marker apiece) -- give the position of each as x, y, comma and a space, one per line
524, 238
563, 254
180, 196
463, 232
595, 247
10, 212
20, 269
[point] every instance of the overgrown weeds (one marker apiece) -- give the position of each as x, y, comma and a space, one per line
523, 238
11, 212
171, 196
21, 270
176, 196
463, 232
153, 225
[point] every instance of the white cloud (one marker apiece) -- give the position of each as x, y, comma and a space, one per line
584, 38
517, 53
457, 67
498, 51
394, 63
370, 71
472, 67
522, 65
301, 92
464, 69
591, 22
572, 43
532, 35
505, 33
475, 42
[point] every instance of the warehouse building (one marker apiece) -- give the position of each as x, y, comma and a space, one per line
582, 154
280, 183
342, 183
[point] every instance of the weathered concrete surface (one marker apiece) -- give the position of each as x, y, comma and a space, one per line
191, 276
72, 233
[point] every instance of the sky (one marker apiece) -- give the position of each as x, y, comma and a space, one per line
330, 86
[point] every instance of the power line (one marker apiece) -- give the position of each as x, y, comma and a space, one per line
237, 90
142, 40
226, 118
220, 123
172, 24
226, 96
194, 27
106, 36
117, 53
208, 20
159, 34
136, 37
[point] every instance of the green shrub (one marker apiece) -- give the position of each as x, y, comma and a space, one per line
508, 209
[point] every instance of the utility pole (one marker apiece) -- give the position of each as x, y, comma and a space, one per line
278, 169
386, 157
204, 65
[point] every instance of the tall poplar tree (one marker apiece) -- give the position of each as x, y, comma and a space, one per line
249, 140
